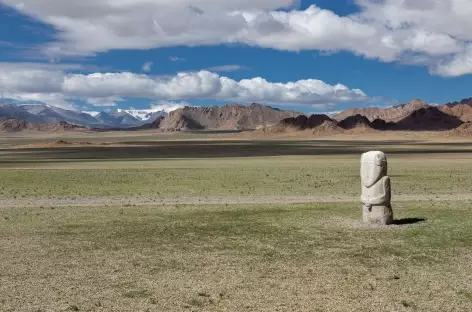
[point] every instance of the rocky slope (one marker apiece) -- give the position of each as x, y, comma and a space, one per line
391, 114
356, 121
428, 119
303, 122
461, 110
15, 125
314, 123
229, 117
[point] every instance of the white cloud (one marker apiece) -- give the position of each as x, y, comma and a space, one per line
168, 106
433, 33
176, 59
104, 89
328, 113
227, 68
457, 65
108, 101
147, 67
53, 99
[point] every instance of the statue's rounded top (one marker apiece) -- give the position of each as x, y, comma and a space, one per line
376, 157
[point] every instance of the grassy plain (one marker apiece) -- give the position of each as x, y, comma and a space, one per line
264, 257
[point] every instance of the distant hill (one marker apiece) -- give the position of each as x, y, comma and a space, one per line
391, 114
428, 119
15, 125
463, 130
303, 122
461, 109
229, 117
156, 124
314, 124
356, 121
180, 120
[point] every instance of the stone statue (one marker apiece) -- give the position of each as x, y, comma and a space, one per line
376, 191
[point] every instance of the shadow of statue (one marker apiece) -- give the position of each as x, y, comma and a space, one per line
407, 221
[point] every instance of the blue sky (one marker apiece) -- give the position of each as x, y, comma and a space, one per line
337, 53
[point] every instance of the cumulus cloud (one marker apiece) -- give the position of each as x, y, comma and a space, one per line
169, 106
53, 99
147, 67
108, 101
434, 32
104, 89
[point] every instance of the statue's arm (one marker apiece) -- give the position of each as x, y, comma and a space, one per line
364, 198
388, 189
383, 197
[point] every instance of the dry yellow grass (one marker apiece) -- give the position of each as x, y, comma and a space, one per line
314, 257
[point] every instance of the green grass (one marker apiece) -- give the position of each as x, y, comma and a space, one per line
230, 168
284, 175
216, 258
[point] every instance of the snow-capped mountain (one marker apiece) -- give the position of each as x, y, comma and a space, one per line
10, 111
145, 114
91, 113
43, 113
119, 119
50, 114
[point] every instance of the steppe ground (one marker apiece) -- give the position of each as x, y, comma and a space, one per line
216, 222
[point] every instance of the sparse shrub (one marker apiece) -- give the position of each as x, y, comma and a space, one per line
407, 304
137, 293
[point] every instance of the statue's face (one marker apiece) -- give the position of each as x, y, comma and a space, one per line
373, 167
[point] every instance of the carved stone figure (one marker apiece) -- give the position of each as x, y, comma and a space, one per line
376, 191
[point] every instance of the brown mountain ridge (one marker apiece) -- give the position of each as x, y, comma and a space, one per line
428, 118
15, 125
416, 115
228, 117
461, 110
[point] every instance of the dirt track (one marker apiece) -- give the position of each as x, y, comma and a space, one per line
159, 201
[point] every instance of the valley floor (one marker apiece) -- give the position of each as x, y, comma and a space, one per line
213, 222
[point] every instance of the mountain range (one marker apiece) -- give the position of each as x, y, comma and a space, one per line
44, 114
425, 118
15, 125
461, 110
416, 115
228, 117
